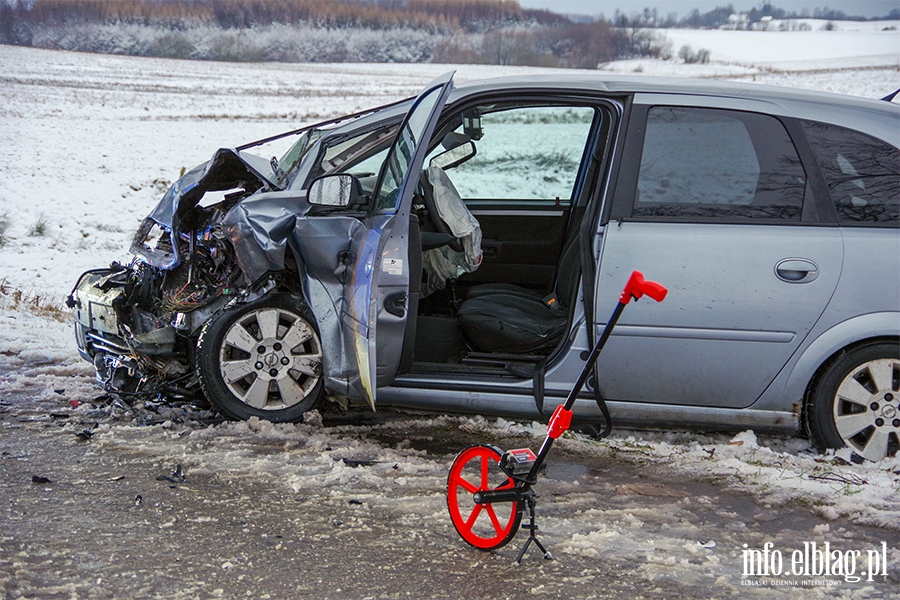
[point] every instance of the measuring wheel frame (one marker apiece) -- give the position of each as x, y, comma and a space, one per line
518, 469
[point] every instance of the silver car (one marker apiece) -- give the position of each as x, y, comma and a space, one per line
460, 251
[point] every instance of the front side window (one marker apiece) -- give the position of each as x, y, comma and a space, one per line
523, 152
718, 164
400, 156
863, 174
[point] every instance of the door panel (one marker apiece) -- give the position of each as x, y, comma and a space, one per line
520, 246
729, 323
380, 275
710, 203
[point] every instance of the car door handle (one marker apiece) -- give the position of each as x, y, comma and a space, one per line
796, 270
491, 249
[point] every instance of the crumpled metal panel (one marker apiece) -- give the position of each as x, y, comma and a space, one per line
263, 226
224, 171
259, 227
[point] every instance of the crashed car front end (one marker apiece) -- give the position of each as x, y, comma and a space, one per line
137, 322
232, 263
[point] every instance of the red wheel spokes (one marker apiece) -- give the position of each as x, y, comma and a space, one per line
494, 521
486, 526
464, 484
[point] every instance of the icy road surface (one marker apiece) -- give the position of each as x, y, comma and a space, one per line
355, 508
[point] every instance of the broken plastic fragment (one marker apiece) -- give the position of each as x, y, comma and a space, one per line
176, 477
39, 479
353, 462
709, 544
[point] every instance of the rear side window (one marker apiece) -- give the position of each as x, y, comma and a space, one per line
863, 174
718, 164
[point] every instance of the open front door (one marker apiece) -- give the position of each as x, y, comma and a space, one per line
377, 294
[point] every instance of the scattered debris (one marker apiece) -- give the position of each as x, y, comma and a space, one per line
62, 391
85, 434
355, 501
354, 462
39, 479
177, 475
116, 478
709, 544
138, 499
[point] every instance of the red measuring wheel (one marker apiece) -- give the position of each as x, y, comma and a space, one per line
484, 526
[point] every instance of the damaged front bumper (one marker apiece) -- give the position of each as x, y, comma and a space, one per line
134, 350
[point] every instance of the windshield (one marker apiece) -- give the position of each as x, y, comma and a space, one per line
293, 147
290, 147
288, 163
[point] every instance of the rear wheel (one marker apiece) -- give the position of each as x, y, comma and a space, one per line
262, 359
857, 402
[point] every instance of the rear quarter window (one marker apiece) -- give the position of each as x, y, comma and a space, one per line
862, 173
702, 163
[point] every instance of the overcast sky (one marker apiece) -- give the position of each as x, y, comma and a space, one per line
864, 8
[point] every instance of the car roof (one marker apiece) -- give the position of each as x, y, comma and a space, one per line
878, 118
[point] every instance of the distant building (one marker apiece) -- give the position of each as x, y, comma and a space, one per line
737, 21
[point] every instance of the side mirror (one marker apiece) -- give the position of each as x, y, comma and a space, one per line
455, 156
334, 190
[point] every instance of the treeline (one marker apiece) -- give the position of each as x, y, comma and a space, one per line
441, 15
721, 16
470, 31
453, 31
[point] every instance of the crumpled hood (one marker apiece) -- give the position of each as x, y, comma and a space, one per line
226, 170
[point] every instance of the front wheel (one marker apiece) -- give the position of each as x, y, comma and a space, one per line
857, 402
262, 359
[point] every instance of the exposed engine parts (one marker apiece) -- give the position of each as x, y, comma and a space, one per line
138, 323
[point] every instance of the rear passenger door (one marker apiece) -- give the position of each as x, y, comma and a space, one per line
716, 204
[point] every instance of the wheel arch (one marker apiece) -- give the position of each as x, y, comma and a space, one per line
832, 344
828, 363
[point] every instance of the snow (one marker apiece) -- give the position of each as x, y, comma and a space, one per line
763, 54
92, 141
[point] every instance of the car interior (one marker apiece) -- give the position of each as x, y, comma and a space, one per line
494, 227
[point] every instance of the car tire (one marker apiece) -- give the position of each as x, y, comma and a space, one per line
856, 402
262, 359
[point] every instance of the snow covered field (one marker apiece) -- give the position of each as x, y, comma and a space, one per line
759, 55
90, 143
